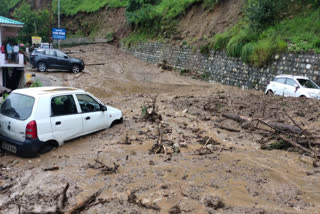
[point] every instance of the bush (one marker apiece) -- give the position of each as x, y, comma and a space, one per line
246, 52
205, 50
282, 46
220, 41
262, 52
236, 43
261, 13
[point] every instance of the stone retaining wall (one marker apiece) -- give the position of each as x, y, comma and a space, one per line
229, 70
80, 41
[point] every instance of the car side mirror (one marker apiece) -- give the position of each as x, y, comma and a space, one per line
66, 57
296, 86
103, 107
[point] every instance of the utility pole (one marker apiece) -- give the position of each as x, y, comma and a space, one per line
59, 18
50, 27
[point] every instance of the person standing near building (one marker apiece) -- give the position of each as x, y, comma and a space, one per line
16, 53
9, 51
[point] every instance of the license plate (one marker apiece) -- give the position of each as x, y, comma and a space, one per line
9, 147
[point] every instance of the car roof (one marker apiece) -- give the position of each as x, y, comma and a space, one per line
46, 48
291, 76
52, 90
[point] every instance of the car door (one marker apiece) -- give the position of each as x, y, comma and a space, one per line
93, 118
290, 89
66, 122
63, 60
51, 58
279, 84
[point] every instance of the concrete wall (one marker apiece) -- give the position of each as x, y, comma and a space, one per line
229, 70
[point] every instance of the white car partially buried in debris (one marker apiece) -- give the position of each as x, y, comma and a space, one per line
34, 118
293, 86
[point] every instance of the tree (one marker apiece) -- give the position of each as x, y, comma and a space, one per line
4, 8
36, 23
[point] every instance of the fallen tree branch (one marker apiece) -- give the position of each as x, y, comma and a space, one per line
227, 128
93, 64
83, 204
62, 199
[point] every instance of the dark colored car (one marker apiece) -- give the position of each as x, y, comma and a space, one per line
44, 59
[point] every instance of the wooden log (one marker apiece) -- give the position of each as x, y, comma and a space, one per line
82, 205
235, 117
62, 199
227, 128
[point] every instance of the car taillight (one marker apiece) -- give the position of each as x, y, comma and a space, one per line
31, 130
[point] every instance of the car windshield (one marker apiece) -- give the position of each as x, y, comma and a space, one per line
17, 106
305, 83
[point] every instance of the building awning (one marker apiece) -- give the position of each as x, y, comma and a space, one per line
10, 22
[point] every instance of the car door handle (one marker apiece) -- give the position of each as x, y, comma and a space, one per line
58, 123
87, 118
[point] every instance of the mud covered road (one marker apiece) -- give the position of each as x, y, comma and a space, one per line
199, 168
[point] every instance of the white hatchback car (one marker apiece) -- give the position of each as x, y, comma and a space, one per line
34, 118
293, 86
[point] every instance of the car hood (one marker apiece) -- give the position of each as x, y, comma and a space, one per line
75, 60
312, 90
114, 112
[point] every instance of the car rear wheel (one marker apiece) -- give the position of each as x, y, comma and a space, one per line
269, 92
42, 67
75, 69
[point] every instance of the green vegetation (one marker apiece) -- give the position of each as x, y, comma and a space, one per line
36, 23
6, 5
265, 31
36, 83
72, 7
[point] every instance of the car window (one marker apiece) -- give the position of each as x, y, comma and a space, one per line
87, 103
17, 106
280, 80
63, 105
40, 51
50, 52
291, 82
61, 54
305, 83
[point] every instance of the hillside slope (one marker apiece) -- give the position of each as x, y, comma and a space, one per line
200, 23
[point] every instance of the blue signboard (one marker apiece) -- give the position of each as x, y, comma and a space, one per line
59, 33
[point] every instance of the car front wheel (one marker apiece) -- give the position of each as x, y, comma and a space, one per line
75, 69
42, 67
269, 92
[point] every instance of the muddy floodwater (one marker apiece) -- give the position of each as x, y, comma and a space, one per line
181, 162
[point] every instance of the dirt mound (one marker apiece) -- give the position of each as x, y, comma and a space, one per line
199, 23
100, 24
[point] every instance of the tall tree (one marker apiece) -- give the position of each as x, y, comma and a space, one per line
4, 8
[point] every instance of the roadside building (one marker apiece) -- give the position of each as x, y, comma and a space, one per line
11, 71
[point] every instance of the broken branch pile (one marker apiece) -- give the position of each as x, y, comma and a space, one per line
295, 135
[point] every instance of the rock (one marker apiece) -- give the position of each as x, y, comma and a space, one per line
316, 163
214, 202
124, 139
145, 201
176, 148
175, 210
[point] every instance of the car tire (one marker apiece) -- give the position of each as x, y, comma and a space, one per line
270, 93
42, 67
75, 69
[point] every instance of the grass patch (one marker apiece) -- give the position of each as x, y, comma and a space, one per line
72, 7
135, 38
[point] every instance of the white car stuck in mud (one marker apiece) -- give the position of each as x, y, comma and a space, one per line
293, 86
32, 119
